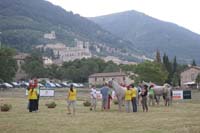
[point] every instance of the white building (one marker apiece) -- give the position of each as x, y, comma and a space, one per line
81, 50
47, 61
50, 36
117, 60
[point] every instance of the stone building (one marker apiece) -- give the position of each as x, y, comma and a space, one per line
189, 75
101, 78
20, 74
63, 53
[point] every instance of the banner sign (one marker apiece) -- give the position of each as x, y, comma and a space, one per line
177, 95
45, 92
187, 94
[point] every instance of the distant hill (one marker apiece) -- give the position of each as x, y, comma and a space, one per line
24, 23
149, 34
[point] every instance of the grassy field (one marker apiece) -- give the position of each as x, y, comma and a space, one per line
181, 117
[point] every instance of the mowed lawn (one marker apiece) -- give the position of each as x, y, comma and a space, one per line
181, 117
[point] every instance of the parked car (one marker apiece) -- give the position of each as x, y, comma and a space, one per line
64, 84
58, 85
15, 84
7, 85
24, 84
50, 85
40, 85
81, 85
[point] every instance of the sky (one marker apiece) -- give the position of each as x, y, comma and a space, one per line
185, 13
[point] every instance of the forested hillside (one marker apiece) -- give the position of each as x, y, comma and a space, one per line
24, 22
149, 35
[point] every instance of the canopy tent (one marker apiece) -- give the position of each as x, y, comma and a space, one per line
190, 83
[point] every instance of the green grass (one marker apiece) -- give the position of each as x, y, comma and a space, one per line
181, 117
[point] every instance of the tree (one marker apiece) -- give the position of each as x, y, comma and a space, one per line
193, 63
174, 66
175, 79
168, 66
158, 59
151, 71
111, 67
8, 65
33, 66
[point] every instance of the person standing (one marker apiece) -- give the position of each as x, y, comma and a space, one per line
134, 98
144, 98
93, 96
71, 99
128, 96
32, 95
104, 92
151, 96
38, 93
109, 98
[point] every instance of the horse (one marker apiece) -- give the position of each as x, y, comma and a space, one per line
119, 92
165, 91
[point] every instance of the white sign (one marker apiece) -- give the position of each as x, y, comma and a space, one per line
177, 95
47, 93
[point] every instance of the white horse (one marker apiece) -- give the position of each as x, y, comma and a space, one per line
119, 92
165, 91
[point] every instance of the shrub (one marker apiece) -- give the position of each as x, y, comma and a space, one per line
86, 103
51, 105
5, 107
115, 101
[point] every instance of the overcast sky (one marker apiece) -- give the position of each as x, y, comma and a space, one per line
185, 13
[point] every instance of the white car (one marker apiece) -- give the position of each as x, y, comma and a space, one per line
7, 85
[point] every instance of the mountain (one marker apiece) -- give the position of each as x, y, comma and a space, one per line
24, 23
149, 35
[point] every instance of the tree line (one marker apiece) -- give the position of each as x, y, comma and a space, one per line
159, 71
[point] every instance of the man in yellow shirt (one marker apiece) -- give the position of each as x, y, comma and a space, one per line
32, 96
134, 98
128, 96
71, 99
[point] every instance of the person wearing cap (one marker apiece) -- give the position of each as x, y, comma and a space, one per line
93, 96
71, 99
104, 92
134, 98
128, 97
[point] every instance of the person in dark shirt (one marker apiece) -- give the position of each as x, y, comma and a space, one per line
105, 93
144, 98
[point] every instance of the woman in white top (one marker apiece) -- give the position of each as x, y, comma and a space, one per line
93, 96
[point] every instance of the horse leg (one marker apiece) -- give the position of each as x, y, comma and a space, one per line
119, 104
158, 100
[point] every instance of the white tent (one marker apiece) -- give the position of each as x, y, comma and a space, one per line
189, 83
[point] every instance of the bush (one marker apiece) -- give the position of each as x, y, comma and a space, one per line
115, 101
5, 107
51, 105
87, 103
